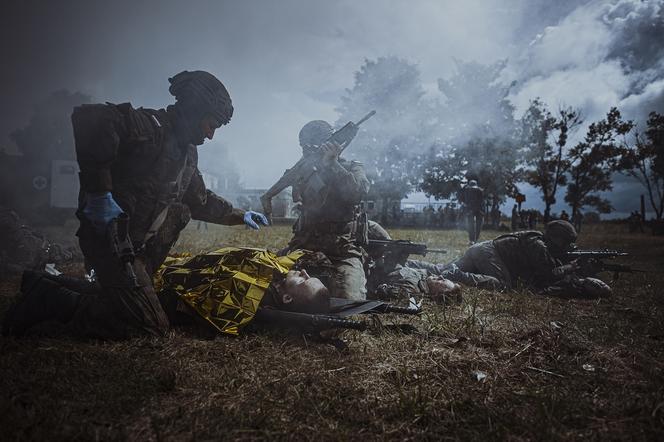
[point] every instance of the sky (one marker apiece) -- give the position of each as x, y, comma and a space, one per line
287, 62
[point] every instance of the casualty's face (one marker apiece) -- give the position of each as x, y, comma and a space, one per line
440, 286
299, 283
303, 292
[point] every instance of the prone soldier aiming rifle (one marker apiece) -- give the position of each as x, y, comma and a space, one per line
309, 164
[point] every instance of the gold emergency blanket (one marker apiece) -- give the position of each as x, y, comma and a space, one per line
225, 286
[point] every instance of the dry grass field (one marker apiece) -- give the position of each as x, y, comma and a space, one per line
495, 366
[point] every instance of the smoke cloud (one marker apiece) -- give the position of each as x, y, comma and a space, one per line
289, 62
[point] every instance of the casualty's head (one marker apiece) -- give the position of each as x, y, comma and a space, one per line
202, 105
559, 236
313, 135
299, 292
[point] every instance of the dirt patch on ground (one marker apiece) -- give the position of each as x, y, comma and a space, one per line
495, 366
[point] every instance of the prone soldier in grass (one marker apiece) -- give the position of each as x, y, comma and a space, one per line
538, 260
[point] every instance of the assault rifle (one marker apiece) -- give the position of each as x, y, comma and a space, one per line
597, 254
398, 250
338, 319
592, 261
308, 165
121, 246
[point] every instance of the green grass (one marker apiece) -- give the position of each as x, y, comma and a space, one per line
555, 369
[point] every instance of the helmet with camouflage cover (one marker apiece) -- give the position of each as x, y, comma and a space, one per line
560, 235
314, 133
202, 93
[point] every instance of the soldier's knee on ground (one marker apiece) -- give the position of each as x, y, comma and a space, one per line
350, 281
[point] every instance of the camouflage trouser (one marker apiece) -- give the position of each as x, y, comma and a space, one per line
399, 284
483, 259
120, 310
455, 274
349, 280
474, 221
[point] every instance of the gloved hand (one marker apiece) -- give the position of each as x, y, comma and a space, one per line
100, 209
251, 219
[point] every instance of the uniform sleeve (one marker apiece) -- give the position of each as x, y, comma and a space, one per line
207, 206
98, 130
546, 269
350, 182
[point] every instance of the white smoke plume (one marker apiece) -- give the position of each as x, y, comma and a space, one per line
602, 54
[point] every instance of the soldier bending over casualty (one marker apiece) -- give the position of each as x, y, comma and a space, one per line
141, 162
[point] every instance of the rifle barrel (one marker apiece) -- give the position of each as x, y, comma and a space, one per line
366, 117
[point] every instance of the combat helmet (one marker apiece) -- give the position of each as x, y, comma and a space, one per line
314, 133
201, 93
561, 234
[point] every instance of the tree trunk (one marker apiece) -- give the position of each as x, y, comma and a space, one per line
383, 211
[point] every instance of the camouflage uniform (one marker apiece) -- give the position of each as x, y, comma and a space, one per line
328, 223
148, 160
139, 155
525, 256
394, 280
473, 199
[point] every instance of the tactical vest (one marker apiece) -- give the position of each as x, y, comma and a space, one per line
152, 170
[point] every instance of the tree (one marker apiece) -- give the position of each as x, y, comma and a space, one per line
490, 161
392, 175
644, 161
386, 143
475, 103
475, 135
544, 137
592, 162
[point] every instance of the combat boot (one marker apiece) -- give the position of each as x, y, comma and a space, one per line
40, 300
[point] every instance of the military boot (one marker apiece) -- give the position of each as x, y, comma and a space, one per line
40, 300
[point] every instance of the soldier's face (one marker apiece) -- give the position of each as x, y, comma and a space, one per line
208, 127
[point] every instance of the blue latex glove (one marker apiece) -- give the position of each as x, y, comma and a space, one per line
100, 209
251, 219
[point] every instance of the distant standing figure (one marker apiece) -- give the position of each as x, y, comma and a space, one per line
564, 216
515, 218
578, 220
495, 217
532, 219
472, 197
635, 222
